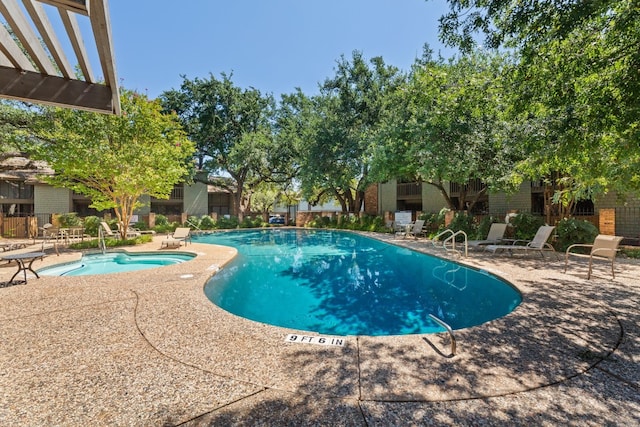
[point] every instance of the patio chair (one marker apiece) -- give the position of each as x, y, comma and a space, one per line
107, 231
131, 232
181, 234
603, 247
389, 226
412, 229
538, 244
495, 236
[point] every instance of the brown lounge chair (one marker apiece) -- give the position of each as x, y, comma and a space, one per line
603, 247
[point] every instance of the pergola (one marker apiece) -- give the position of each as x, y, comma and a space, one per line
34, 66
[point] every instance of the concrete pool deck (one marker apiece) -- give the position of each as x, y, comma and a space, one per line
148, 348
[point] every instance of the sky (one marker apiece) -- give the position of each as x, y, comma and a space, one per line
274, 46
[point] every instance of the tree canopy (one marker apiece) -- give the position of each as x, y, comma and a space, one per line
575, 81
336, 152
444, 125
115, 159
232, 130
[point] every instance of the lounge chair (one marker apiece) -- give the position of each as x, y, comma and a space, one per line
107, 231
181, 234
412, 229
170, 243
131, 232
495, 236
538, 244
603, 247
10, 245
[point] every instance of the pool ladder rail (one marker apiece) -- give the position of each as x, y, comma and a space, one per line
196, 230
448, 329
102, 244
452, 239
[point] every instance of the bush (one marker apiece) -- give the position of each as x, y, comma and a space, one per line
140, 225
165, 227
463, 222
526, 226
207, 223
571, 230
231, 222
249, 222
69, 220
111, 243
192, 221
161, 221
631, 253
91, 225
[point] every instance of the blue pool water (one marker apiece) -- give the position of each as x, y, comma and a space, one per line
341, 283
114, 262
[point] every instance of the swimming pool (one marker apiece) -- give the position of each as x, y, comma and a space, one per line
114, 262
342, 283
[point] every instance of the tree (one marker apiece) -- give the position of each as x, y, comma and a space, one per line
447, 124
336, 152
116, 159
577, 84
16, 120
232, 130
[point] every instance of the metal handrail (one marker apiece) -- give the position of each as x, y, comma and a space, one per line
436, 238
448, 328
194, 226
453, 240
101, 242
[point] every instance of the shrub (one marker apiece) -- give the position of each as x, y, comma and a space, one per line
376, 224
111, 243
572, 230
69, 220
631, 253
161, 220
140, 225
192, 221
164, 226
431, 221
207, 223
231, 222
91, 224
463, 222
526, 225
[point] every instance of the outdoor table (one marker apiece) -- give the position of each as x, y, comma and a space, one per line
22, 259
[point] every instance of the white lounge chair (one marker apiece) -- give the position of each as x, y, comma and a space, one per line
495, 236
131, 232
174, 240
538, 244
107, 231
603, 247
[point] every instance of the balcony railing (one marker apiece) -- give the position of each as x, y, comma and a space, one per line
474, 186
411, 189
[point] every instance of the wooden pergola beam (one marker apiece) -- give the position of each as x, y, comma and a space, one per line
56, 91
30, 72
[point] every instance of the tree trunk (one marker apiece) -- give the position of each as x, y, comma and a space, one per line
444, 193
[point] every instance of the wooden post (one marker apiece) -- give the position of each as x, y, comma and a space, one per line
607, 221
